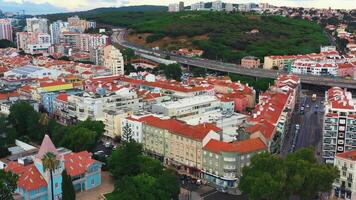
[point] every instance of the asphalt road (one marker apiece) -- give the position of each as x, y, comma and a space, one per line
310, 123
233, 68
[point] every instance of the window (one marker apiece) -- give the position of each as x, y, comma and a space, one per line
92, 181
56, 185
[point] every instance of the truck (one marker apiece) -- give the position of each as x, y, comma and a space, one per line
314, 97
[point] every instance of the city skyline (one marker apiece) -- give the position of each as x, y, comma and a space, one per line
52, 6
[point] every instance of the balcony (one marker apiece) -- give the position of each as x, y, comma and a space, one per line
344, 168
349, 179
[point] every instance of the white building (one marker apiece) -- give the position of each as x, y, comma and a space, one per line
229, 7
188, 108
113, 60
89, 105
344, 187
5, 29
85, 42
135, 123
55, 30
217, 5
40, 45
325, 67
37, 25
339, 125
173, 7
33, 72
198, 6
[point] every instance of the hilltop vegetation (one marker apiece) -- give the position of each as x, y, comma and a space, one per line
223, 36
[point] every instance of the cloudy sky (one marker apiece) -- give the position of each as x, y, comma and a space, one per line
50, 6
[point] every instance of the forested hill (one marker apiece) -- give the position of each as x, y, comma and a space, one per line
97, 11
223, 36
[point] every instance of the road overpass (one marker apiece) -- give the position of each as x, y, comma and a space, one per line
233, 68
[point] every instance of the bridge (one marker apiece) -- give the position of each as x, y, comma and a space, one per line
234, 68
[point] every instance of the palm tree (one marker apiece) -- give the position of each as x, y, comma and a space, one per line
44, 120
50, 162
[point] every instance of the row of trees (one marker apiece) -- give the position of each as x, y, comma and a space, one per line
29, 125
140, 177
270, 177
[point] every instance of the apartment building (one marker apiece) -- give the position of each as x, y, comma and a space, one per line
344, 187
198, 6
37, 25
282, 62
191, 107
113, 60
339, 125
223, 162
76, 24
33, 43
113, 121
177, 143
85, 42
89, 105
313, 67
5, 29
270, 118
217, 5
135, 123
55, 29
250, 62
173, 7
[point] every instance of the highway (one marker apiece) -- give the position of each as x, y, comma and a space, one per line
118, 37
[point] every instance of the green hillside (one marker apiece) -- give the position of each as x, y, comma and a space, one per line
224, 36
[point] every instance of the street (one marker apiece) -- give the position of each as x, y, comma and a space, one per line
309, 133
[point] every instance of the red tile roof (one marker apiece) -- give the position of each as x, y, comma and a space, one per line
264, 127
350, 155
245, 146
62, 97
174, 126
29, 176
31, 179
4, 96
77, 163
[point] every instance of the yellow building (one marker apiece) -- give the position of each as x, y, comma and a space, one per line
53, 86
112, 121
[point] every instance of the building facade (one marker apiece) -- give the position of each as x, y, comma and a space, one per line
113, 60
6, 29
34, 181
339, 126
344, 187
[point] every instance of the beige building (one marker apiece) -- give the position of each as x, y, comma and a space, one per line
177, 143
344, 187
113, 60
113, 120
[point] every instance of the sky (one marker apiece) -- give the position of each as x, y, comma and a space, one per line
53, 6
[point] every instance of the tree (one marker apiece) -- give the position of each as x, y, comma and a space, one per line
172, 71
50, 163
19, 113
271, 177
68, 192
79, 139
198, 72
126, 133
8, 184
6, 43
125, 160
4, 152
96, 126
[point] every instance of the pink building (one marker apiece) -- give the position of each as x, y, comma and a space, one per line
250, 62
5, 29
347, 70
